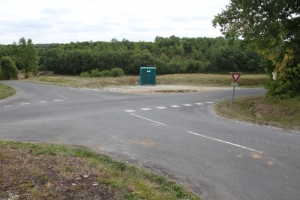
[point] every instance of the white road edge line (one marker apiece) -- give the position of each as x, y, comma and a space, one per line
226, 142
147, 119
61, 96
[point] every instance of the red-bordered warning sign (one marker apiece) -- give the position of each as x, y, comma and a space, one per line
235, 76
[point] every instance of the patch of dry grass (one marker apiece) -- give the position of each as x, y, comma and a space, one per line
259, 110
216, 80
6, 91
33, 171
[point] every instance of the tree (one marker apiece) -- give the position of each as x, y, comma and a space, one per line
8, 68
26, 56
272, 28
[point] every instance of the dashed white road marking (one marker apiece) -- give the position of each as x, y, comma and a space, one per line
129, 111
161, 107
199, 104
24, 104
209, 102
145, 108
187, 104
148, 119
218, 140
56, 100
61, 96
175, 106
7, 106
42, 101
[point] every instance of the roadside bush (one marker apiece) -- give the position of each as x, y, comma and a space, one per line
106, 73
8, 68
85, 74
117, 72
95, 73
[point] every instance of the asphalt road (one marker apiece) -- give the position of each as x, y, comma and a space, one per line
174, 134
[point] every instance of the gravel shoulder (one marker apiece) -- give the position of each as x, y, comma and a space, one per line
162, 88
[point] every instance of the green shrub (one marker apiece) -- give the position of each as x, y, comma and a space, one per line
179, 191
106, 73
8, 68
95, 73
117, 72
85, 74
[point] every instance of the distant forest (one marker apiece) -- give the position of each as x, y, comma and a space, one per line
169, 55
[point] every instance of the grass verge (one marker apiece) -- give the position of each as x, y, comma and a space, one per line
173, 79
47, 171
6, 91
259, 110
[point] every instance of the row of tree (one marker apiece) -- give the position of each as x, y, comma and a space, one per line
169, 55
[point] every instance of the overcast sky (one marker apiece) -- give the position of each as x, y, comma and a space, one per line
65, 21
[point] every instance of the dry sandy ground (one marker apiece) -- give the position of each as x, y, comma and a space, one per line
162, 88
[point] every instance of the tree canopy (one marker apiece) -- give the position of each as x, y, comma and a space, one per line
272, 27
8, 68
26, 56
168, 54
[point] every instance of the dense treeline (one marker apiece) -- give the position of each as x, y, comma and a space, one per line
168, 55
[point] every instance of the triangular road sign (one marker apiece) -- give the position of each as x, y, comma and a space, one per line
235, 76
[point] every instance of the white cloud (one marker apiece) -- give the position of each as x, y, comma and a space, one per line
63, 21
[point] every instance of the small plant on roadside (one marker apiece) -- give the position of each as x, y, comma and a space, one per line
117, 72
95, 73
106, 73
179, 191
85, 74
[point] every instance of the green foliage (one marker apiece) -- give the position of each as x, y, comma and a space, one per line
26, 56
117, 72
85, 74
179, 191
95, 73
272, 28
169, 55
105, 73
8, 68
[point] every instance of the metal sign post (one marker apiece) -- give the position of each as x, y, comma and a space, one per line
232, 100
235, 77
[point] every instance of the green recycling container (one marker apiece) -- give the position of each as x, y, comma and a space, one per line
148, 76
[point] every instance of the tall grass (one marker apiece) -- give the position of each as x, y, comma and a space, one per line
280, 113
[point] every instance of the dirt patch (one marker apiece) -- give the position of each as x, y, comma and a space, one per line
25, 175
162, 89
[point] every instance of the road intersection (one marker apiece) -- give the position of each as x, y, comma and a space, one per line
177, 135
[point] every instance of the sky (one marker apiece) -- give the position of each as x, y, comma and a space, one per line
65, 21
